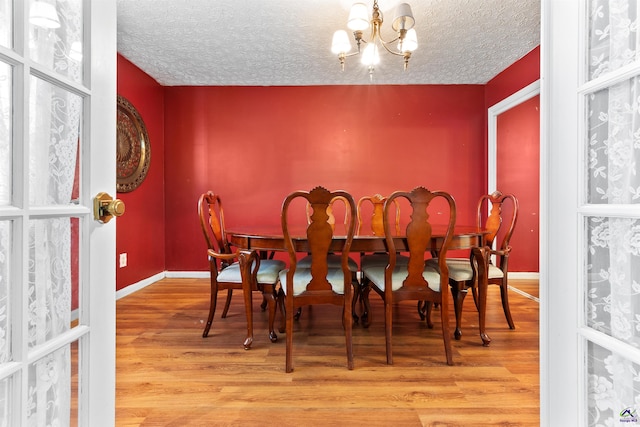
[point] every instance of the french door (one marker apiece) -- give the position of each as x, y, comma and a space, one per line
590, 317
57, 269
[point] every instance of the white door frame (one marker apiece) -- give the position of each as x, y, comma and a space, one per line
494, 111
560, 399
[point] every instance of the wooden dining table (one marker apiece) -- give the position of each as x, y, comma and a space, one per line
266, 239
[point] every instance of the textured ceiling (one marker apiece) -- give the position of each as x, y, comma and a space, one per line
287, 42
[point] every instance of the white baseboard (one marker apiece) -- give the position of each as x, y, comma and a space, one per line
525, 275
139, 285
157, 277
187, 274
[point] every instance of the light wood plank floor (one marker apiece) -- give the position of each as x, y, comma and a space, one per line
168, 375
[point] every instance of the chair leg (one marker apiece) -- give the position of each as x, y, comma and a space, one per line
280, 304
212, 309
227, 303
265, 302
365, 317
458, 300
289, 336
348, 331
357, 290
388, 328
505, 304
422, 309
270, 298
428, 309
444, 320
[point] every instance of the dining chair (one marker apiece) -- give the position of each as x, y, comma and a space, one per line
413, 280
319, 282
463, 272
225, 265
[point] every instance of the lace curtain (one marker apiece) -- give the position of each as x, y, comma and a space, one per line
613, 257
54, 127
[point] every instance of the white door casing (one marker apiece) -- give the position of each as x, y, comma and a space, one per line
558, 218
493, 112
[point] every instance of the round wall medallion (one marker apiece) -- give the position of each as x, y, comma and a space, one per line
133, 149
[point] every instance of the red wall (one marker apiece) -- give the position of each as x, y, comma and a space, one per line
518, 172
254, 145
519, 75
140, 232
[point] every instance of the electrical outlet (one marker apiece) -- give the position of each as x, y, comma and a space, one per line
123, 260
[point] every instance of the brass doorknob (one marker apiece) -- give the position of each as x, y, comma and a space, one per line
106, 207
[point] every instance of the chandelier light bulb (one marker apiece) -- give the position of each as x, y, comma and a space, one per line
371, 56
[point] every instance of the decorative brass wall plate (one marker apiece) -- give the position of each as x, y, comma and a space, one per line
133, 150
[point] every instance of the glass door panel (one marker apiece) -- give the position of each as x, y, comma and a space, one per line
54, 129
613, 144
55, 36
613, 386
6, 23
6, 260
613, 278
611, 212
6, 133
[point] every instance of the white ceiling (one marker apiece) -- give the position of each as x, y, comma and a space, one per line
287, 42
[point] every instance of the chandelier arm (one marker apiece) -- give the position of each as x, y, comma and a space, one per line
376, 33
384, 45
387, 42
347, 55
357, 35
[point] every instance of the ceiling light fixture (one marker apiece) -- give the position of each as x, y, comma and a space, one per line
359, 21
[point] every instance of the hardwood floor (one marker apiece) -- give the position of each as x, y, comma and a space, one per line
168, 375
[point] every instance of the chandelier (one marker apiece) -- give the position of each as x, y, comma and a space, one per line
359, 21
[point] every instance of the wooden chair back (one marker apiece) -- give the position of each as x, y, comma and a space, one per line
330, 213
493, 219
212, 222
418, 234
376, 221
319, 232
